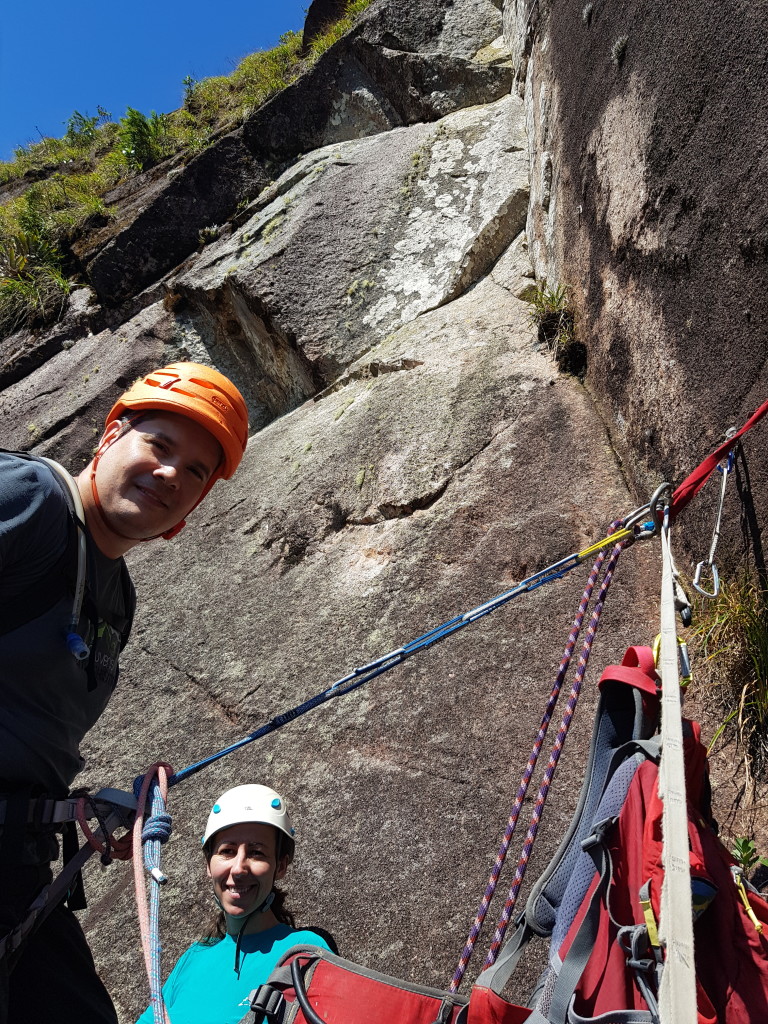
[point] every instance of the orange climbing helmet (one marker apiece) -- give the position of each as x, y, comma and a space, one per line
200, 393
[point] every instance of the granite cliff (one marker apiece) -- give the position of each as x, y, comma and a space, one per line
375, 233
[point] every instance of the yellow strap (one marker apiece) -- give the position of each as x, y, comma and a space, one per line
737, 877
650, 922
614, 538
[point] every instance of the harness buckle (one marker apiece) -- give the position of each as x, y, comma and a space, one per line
265, 1002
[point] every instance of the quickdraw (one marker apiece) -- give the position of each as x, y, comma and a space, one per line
708, 564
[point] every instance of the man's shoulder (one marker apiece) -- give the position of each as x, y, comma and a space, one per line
26, 480
34, 512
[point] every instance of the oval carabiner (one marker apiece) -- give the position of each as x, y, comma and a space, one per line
715, 579
662, 495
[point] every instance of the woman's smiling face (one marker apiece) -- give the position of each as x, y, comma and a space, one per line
243, 868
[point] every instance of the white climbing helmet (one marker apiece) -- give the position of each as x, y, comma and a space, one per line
249, 803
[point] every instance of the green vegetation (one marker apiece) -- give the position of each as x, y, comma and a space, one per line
733, 636
553, 318
209, 105
71, 176
32, 285
744, 852
144, 141
336, 31
227, 100
358, 291
209, 234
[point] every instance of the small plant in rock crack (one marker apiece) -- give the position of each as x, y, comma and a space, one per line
209, 234
554, 321
744, 852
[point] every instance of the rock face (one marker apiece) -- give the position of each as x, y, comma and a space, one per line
413, 453
392, 69
417, 214
647, 162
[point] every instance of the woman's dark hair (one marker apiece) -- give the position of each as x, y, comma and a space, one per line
284, 847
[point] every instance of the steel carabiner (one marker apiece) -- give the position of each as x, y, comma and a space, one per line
709, 562
715, 579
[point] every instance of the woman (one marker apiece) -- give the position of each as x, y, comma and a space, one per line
248, 845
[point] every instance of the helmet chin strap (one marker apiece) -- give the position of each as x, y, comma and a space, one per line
261, 909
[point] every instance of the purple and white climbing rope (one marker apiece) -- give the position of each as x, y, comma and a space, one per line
514, 814
554, 757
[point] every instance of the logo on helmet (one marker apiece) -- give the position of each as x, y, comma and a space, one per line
215, 400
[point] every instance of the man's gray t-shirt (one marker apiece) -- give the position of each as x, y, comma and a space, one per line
48, 699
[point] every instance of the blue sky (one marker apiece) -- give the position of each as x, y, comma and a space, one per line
56, 58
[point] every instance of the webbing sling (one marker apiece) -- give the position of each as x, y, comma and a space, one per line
677, 992
696, 480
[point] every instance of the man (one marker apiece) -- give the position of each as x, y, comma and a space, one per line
167, 440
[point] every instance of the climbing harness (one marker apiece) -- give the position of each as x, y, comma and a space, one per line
708, 565
111, 807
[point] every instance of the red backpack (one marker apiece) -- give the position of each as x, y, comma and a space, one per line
599, 899
598, 902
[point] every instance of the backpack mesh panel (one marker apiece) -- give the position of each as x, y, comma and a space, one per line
584, 869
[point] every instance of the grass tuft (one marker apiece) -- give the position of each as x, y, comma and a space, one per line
733, 636
553, 318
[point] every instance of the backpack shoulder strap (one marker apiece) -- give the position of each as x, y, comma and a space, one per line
627, 712
36, 600
76, 507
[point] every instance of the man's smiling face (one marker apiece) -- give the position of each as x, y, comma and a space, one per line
150, 476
